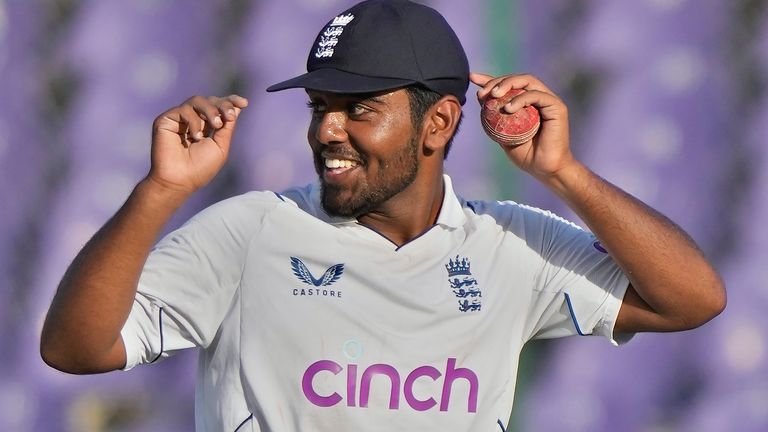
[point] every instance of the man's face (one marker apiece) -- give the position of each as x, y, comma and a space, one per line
365, 149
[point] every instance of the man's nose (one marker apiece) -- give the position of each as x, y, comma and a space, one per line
331, 128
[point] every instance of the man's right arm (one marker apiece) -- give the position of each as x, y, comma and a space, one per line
82, 330
81, 333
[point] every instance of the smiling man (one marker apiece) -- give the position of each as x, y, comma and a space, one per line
376, 298
382, 163
368, 157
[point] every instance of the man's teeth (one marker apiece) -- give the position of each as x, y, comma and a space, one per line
339, 163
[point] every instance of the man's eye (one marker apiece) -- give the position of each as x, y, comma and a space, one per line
316, 107
357, 109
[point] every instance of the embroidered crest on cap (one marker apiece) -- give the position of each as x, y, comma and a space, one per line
330, 37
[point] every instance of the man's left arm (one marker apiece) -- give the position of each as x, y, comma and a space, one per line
672, 284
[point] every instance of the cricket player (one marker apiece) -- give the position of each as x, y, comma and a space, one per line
376, 298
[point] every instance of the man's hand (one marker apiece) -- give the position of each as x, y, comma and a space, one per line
82, 329
548, 152
672, 285
190, 142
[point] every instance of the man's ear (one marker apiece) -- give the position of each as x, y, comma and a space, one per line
441, 122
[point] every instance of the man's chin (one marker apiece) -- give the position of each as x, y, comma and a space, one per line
339, 204
337, 209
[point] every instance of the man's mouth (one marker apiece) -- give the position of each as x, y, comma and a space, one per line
340, 163
337, 165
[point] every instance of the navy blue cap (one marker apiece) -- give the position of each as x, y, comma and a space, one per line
381, 45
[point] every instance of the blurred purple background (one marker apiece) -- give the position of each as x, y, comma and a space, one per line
667, 100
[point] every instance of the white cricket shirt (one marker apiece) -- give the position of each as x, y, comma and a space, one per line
313, 323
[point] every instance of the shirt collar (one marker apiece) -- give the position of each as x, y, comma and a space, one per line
451, 211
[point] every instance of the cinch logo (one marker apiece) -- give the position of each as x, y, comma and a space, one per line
452, 373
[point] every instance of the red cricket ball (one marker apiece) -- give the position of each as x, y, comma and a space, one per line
509, 129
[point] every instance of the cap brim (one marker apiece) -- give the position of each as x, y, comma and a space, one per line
338, 81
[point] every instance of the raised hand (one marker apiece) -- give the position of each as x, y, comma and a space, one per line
549, 150
190, 142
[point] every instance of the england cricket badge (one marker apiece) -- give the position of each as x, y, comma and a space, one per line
463, 284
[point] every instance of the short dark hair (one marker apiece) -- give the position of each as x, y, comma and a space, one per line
421, 99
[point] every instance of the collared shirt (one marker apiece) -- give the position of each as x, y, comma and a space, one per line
307, 322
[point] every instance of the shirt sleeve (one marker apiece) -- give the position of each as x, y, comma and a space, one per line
578, 289
190, 280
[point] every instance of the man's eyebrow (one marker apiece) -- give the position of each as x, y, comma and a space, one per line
374, 99
374, 96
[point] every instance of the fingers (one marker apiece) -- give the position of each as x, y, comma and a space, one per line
499, 86
191, 125
228, 107
479, 78
216, 111
550, 106
200, 117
